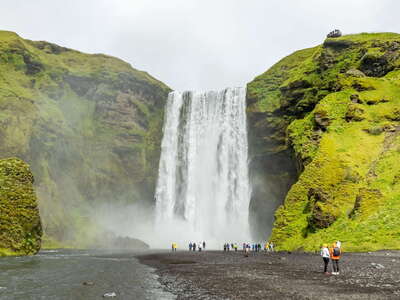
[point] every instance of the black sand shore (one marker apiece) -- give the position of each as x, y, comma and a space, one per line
219, 275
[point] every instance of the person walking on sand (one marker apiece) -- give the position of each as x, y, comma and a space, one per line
335, 253
325, 256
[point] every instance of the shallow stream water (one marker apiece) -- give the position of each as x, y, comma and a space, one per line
62, 274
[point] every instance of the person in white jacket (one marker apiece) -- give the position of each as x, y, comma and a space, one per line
325, 256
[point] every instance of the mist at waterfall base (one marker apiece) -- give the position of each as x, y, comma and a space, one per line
203, 188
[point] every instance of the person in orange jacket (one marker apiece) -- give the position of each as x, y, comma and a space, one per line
335, 253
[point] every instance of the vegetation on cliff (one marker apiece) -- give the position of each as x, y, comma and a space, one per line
89, 126
20, 227
336, 107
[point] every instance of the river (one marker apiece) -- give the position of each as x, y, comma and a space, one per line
62, 274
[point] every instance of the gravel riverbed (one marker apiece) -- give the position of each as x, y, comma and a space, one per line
278, 275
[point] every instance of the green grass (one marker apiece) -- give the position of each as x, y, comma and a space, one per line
20, 227
87, 124
349, 187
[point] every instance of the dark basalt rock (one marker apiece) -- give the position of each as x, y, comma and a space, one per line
337, 45
322, 120
109, 240
355, 98
49, 47
32, 66
375, 66
319, 218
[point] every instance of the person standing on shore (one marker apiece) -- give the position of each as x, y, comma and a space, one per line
335, 253
190, 246
194, 246
204, 245
325, 256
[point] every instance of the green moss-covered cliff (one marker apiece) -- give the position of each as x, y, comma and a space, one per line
20, 227
89, 126
332, 113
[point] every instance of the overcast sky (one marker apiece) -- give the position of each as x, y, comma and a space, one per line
195, 44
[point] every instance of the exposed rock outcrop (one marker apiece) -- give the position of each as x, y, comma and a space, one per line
20, 226
90, 126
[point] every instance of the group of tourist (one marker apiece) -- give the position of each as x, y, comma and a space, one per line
331, 254
200, 246
247, 247
230, 246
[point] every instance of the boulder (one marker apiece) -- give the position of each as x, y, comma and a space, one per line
20, 226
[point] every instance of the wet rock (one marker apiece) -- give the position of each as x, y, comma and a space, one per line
88, 283
110, 295
377, 266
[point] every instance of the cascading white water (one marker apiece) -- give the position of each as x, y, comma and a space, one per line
203, 187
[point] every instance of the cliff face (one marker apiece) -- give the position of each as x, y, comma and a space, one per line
20, 227
89, 126
331, 112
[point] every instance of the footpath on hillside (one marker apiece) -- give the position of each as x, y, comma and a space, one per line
279, 275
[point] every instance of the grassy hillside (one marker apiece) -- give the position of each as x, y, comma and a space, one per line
89, 126
20, 227
336, 108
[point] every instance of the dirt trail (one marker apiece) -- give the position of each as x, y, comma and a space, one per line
221, 275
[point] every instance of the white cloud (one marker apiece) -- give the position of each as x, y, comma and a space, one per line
195, 44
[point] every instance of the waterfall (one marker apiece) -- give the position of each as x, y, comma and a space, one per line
203, 187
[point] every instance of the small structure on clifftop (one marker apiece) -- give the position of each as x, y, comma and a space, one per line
334, 34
